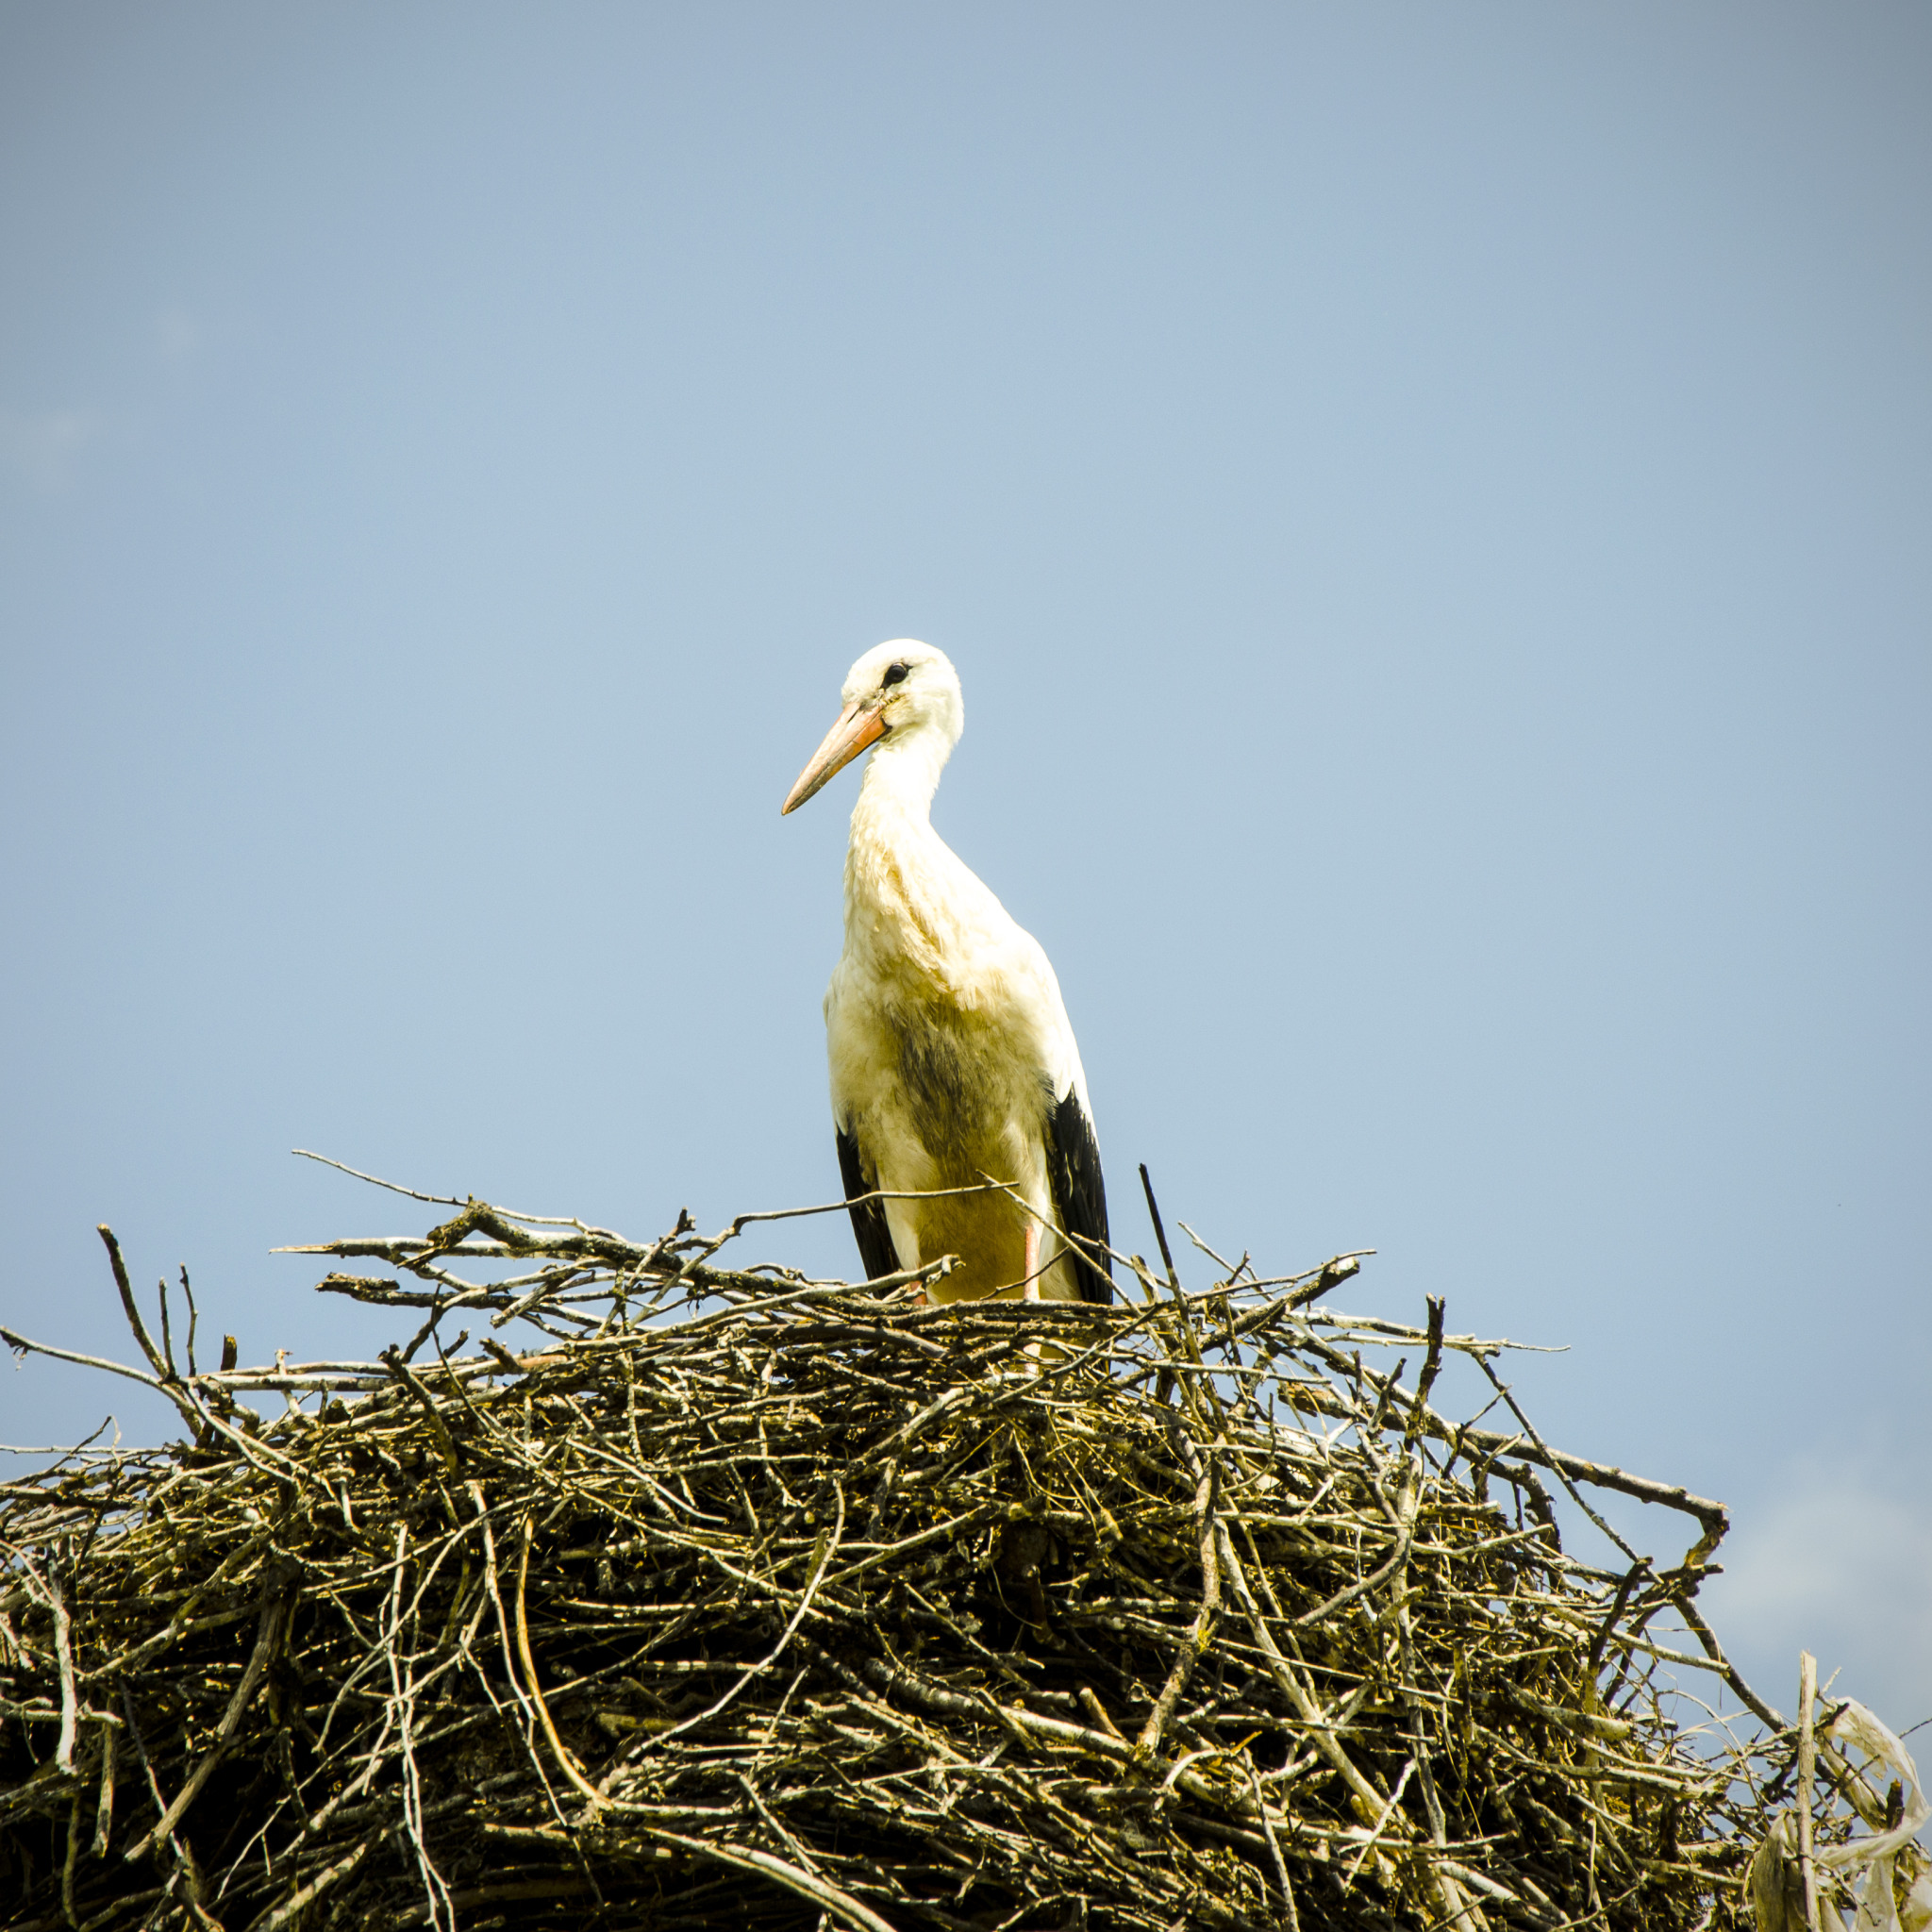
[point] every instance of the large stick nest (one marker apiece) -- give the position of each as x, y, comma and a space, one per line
744, 1600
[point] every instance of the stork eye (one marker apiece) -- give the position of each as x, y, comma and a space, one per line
897, 674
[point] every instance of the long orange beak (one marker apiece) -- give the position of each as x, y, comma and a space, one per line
855, 729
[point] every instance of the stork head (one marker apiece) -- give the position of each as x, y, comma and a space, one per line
902, 695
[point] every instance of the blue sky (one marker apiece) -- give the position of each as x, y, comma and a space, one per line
1430, 507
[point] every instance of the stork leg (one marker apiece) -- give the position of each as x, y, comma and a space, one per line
1035, 1351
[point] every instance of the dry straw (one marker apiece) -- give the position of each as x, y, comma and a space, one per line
750, 1600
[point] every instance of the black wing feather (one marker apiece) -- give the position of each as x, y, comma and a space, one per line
875, 1249
1079, 1196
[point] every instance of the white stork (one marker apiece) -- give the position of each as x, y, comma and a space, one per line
952, 1059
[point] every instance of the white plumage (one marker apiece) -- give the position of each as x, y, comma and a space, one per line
952, 1059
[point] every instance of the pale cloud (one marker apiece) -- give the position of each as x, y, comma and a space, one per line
43, 451
1840, 1566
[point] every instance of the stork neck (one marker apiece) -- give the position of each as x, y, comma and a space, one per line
900, 879
901, 776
